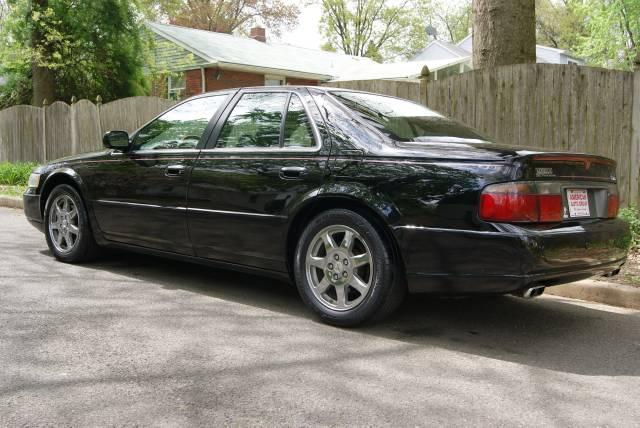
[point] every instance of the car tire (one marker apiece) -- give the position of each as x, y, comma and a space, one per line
66, 226
345, 271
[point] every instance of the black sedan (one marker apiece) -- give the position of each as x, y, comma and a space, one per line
357, 198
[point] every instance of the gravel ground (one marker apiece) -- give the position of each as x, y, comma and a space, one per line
135, 340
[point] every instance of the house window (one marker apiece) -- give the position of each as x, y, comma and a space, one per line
270, 80
176, 86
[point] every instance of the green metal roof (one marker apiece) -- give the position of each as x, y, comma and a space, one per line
209, 48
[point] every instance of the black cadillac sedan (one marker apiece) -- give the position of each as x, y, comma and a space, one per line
357, 198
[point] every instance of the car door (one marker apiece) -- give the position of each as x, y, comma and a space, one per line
139, 197
265, 157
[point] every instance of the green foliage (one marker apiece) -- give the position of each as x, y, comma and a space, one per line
93, 47
605, 32
560, 24
224, 16
15, 174
632, 216
391, 31
612, 36
365, 27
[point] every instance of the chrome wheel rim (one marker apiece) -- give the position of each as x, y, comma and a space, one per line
339, 267
64, 229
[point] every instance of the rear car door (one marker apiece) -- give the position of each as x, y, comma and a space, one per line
139, 197
264, 159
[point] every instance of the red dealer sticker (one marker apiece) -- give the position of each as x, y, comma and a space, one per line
578, 200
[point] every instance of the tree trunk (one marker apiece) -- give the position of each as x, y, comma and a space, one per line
504, 32
42, 78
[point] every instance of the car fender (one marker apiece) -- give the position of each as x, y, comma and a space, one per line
69, 172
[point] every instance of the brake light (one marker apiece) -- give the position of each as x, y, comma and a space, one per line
612, 206
515, 202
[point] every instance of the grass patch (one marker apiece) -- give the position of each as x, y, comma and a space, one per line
12, 190
15, 174
632, 216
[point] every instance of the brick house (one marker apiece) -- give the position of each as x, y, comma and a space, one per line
197, 61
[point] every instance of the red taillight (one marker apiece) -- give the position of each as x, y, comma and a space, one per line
514, 202
550, 208
612, 206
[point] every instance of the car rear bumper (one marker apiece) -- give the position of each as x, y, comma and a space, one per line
31, 204
513, 258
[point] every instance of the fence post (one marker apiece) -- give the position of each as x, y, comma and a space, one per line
424, 79
44, 130
634, 186
74, 132
99, 106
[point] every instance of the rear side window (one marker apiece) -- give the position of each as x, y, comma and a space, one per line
402, 120
297, 126
254, 122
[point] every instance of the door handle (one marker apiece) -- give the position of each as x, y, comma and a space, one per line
174, 170
292, 172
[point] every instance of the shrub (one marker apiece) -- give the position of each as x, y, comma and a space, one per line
632, 215
15, 174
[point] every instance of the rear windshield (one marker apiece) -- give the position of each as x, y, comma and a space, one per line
403, 120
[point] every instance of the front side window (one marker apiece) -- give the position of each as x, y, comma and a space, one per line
404, 121
179, 128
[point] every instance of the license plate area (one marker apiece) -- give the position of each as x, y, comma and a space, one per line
578, 203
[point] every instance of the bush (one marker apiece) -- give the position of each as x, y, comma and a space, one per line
15, 174
632, 215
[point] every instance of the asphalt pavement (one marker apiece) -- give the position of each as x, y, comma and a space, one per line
137, 340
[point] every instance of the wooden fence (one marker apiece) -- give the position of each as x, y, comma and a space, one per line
39, 134
553, 107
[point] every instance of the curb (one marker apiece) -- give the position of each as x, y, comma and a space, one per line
11, 202
624, 296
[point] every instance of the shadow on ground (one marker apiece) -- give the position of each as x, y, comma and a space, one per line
551, 333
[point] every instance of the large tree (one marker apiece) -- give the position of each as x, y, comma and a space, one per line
225, 16
56, 49
364, 27
504, 32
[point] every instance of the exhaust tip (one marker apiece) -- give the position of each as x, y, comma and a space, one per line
612, 273
530, 293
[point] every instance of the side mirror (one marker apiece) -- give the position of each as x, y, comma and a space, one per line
118, 140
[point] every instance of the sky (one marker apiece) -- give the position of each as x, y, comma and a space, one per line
306, 33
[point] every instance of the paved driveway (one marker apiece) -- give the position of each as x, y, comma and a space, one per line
139, 340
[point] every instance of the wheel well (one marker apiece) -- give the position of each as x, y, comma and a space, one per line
51, 184
304, 216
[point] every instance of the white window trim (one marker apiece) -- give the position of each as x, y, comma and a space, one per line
179, 91
282, 79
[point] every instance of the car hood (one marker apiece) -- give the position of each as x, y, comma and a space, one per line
80, 157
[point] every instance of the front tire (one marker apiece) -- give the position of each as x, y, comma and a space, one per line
67, 230
344, 270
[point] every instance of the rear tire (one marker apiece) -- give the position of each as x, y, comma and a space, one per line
345, 271
67, 229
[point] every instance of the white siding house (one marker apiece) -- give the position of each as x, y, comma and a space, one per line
438, 50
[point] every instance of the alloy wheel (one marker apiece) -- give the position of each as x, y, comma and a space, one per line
339, 267
63, 225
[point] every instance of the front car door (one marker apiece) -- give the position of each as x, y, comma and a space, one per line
139, 197
264, 158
